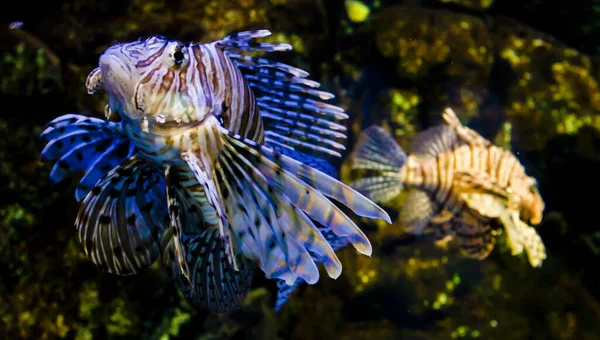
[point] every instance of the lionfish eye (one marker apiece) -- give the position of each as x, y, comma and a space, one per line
178, 56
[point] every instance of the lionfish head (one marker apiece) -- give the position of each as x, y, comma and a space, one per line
149, 80
533, 209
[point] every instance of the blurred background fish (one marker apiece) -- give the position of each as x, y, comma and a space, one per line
457, 182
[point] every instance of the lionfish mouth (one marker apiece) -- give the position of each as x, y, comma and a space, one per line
160, 126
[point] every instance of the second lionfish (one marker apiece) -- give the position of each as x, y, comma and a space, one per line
215, 145
459, 184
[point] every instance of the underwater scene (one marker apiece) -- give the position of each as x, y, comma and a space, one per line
300, 169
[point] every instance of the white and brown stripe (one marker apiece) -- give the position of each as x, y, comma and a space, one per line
436, 175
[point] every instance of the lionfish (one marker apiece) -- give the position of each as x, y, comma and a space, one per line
459, 185
211, 168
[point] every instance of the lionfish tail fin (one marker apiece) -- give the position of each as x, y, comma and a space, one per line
121, 219
291, 106
80, 143
271, 201
377, 150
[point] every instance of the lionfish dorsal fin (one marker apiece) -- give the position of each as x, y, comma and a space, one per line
434, 141
292, 107
464, 133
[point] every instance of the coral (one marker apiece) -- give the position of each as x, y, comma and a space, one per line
421, 39
554, 89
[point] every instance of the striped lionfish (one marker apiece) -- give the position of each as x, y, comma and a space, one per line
458, 184
210, 167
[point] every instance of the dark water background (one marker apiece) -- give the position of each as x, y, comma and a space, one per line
522, 73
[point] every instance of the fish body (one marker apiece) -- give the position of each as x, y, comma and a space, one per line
226, 142
458, 182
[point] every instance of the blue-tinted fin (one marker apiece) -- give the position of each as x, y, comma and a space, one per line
102, 164
292, 107
315, 162
122, 218
81, 143
284, 291
215, 284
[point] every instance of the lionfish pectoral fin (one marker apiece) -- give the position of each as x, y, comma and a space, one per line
275, 198
377, 150
467, 135
94, 81
204, 175
532, 242
284, 290
177, 216
474, 235
120, 222
81, 143
417, 210
214, 284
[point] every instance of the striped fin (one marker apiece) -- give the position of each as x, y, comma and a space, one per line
467, 135
240, 41
121, 219
250, 62
434, 141
284, 291
281, 180
532, 242
215, 284
314, 162
244, 36
326, 185
377, 150
417, 211
291, 232
520, 236
290, 104
380, 188
80, 143
248, 224
474, 235
204, 175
